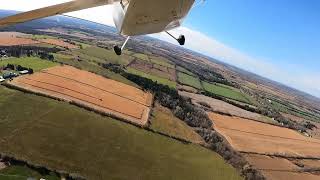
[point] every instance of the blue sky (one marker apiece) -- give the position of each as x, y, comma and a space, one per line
286, 30
278, 39
284, 33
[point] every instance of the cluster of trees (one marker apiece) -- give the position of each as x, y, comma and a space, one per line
18, 68
168, 97
10, 161
117, 68
19, 51
309, 125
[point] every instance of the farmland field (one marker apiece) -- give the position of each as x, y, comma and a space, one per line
223, 107
154, 69
183, 70
251, 136
226, 91
35, 63
140, 56
278, 168
186, 79
160, 80
165, 122
161, 61
17, 172
58, 42
97, 147
92, 67
108, 56
15, 38
291, 109
90, 90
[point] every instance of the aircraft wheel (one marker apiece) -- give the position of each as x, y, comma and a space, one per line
117, 50
181, 40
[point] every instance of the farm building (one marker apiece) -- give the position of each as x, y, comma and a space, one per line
1, 79
24, 72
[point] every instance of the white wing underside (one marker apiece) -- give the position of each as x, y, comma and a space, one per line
71, 6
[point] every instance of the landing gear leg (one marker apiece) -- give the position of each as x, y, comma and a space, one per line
181, 40
118, 50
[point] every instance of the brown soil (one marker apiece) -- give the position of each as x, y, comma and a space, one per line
267, 163
58, 42
91, 90
187, 88
14, 39
310, 163
251, 136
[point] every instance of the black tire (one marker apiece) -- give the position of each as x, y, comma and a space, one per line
117, 50
181, 40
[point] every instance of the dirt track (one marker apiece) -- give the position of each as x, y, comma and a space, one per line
251, 136
86, 88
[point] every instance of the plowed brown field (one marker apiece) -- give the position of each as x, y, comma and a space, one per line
14, 39
274, 168
85, 88
251, 136
58, 42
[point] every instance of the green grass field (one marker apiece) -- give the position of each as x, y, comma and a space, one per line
183, 70
22, 173
189, 80
165, 122
37, 37
64, 137
226, 91
141, 56
161, 61
291, 109
160, 80
108, 56
35, 63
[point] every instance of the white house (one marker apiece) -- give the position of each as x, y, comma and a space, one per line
24, 72
1, 79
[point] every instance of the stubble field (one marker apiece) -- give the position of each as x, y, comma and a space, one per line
90, 90
255, 137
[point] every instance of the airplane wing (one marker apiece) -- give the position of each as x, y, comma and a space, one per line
74, 5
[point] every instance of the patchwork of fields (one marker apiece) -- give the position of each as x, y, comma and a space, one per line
90, 90
277, 152
97, 147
